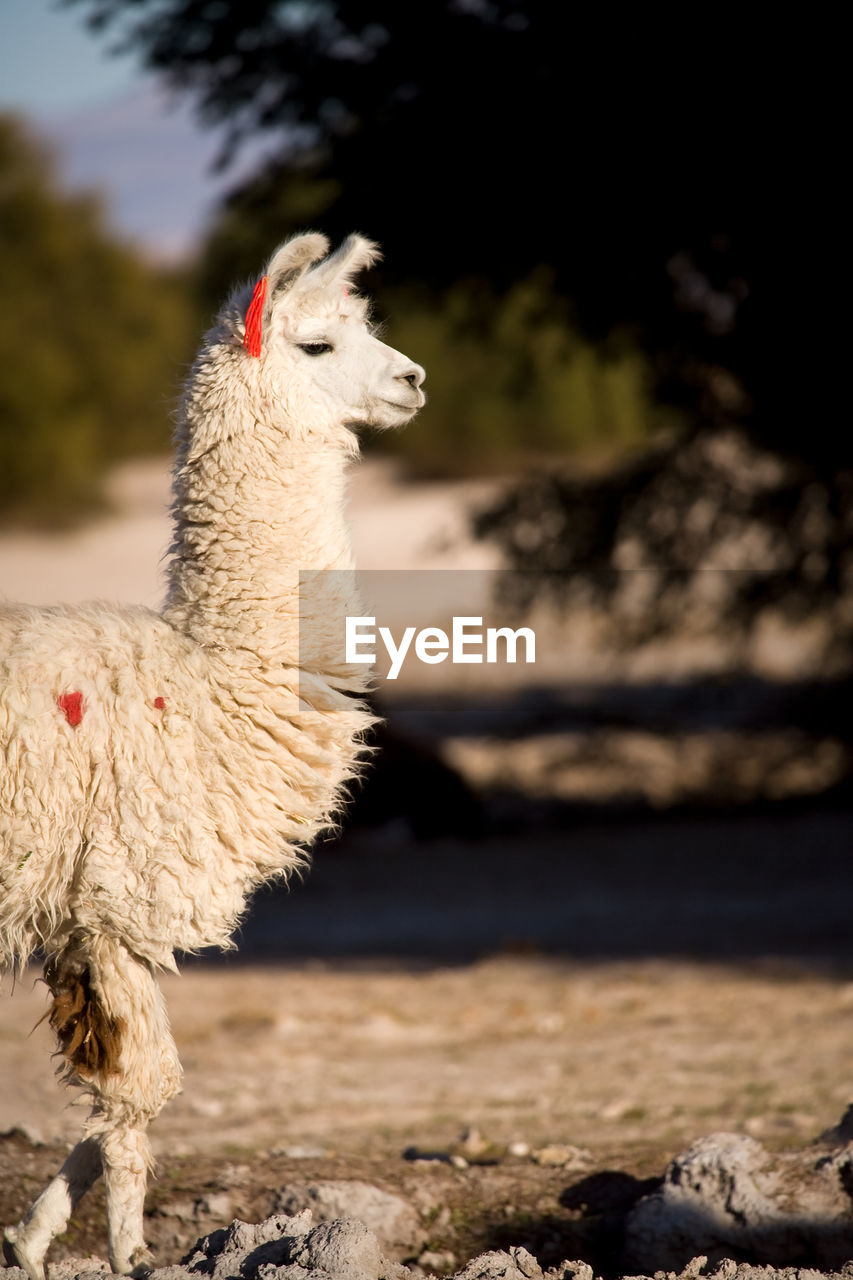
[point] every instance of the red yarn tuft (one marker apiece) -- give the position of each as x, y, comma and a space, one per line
71, 705
160, 704
255, 319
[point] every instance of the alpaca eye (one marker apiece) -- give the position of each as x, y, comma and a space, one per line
315, 348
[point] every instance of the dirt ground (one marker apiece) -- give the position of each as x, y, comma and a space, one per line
305, 1071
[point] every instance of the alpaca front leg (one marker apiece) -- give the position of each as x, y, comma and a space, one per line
27, 1243
126, 1161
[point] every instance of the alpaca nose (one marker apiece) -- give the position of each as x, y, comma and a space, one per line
414, 375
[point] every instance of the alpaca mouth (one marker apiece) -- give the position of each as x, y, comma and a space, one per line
409, 406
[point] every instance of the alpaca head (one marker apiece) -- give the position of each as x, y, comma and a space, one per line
315, 349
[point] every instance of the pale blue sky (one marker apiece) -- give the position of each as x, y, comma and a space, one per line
113, 128
50, 61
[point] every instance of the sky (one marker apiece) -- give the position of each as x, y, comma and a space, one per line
113, 127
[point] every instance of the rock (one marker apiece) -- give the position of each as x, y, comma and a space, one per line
570, 1271
217, 1204
513, 1264
526, 1263
726, 1196
234, 1175
556, 1156
617, 1109
390, 1217
473, 1143
244, 1247
344, 1249
183, 1210
287, 1247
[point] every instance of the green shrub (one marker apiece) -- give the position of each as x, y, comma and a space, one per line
93, 342
510, 379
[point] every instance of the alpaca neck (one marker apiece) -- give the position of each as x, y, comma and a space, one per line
261, 561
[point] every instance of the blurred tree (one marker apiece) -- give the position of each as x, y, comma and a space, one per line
93, 342
512, 382
707, 538
644, 161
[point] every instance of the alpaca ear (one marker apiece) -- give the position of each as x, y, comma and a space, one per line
290, 261
354, 255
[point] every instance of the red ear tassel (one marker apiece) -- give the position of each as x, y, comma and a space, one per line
255, 319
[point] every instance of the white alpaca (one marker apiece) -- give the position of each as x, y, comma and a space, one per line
155, 768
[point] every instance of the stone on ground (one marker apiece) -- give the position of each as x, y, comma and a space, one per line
391, 1218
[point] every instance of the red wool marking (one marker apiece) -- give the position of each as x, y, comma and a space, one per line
71, 705
160, 704
255, 319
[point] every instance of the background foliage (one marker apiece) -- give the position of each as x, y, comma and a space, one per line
93, 342
577, 221
645, 164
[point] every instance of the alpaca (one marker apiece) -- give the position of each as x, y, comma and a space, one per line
157, 767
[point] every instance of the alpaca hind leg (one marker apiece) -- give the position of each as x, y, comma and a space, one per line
27, 1243
131, 1089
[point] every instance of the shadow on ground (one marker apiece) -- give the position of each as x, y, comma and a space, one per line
702, 885
736, 863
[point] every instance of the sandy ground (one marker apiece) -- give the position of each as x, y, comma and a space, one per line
371, 1059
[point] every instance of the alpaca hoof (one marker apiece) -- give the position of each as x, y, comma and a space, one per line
139, 1264
15, 1253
